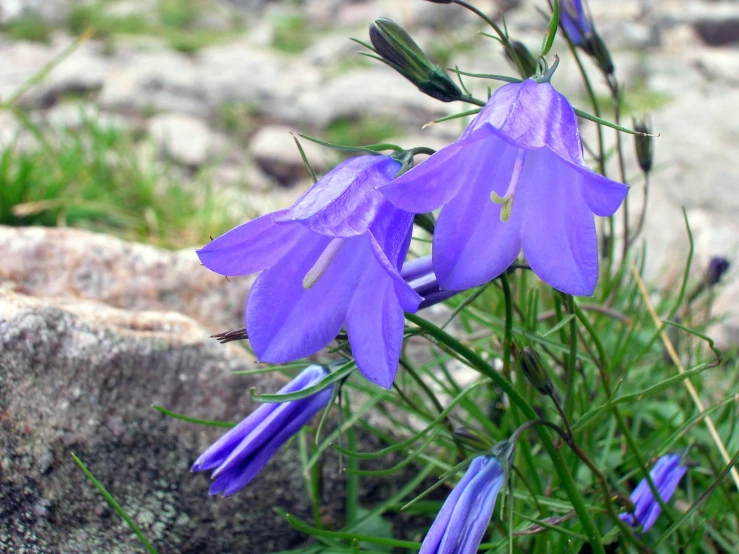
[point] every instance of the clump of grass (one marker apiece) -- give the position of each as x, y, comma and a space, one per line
94, 178
29, 27
175, 21
291, 34
364, 131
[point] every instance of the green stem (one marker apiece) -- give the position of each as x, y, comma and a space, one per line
568, 483
508, 330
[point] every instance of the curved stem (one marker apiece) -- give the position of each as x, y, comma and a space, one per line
477, 363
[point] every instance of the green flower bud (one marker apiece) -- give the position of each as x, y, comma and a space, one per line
534, 370
528, 61
596, 48
399, 51
644, 145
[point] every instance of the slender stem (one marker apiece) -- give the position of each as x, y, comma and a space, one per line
643, 214
571, 360
563, 472
435, 401
508, 332
471, 99
596, 108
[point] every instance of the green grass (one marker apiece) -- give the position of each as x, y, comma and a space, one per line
29, 27
93, 178
364, 131
175, 21
291, 34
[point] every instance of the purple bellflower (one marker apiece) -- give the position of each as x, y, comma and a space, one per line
666, 474
463, 519
333, 258
515, 179
240, 454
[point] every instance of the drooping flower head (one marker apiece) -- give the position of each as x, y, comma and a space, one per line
333, 258
515, 179
240, 454
666, 475
578, 26
463, 519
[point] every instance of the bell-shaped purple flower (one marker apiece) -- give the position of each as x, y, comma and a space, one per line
461, 523
515, 179
333, 258
666, 475
240, 454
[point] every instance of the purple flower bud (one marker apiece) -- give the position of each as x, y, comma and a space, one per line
716, 269
240, 454
578, 27
461, 524
666, 475
420, 276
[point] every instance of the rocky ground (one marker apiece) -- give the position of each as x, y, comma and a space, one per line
93, 329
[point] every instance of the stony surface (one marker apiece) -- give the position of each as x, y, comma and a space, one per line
185, 139
79, 377
70, 263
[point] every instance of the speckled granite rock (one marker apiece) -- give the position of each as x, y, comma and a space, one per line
70, 263
80, 377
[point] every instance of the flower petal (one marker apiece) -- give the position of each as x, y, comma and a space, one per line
222, 448
603, 196
250, 247
473, 510
471, 244
241, 474
438, 528
375, 325
558, 232
436, 180
344, 202
532, 115
286, 322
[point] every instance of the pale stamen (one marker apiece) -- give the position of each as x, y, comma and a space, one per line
324, 260
506, 201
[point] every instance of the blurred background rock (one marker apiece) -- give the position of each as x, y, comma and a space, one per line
170, 125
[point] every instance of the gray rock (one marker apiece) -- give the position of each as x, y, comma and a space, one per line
375, 92
80, 377
70, 263
185, 139
274, 150
53, 11
154, 80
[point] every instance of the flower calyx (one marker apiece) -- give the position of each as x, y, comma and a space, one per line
395, 47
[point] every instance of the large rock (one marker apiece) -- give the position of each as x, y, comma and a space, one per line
80, 377
53, 11
70, 263
186, 139
274, 150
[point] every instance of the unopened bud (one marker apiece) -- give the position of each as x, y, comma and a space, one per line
716, 269
578, 27
597, 49
399, 51
534, 370
644, 145
527, 60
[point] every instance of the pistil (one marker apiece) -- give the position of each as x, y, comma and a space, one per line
506, 201
324, 260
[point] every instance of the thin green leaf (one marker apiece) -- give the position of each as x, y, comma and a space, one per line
551, 29
114, 504
209, 422
339, 374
